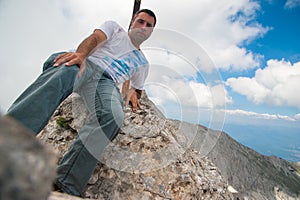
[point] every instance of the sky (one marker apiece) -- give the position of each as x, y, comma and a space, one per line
212, 62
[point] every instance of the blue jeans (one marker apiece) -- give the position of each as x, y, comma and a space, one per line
103, 100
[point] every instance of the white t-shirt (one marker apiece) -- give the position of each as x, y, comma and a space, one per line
119, 58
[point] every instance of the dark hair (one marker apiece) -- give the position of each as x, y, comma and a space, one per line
149, 12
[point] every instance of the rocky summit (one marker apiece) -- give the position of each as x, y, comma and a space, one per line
158, 158
149, 159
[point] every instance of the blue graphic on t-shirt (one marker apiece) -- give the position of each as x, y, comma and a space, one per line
125, 66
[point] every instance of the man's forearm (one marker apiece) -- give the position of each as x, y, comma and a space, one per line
85, 48
88, 45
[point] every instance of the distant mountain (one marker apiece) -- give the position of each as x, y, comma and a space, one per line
253, 175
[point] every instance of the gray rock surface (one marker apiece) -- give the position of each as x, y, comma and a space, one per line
62, 196
253, 175
147, 160
158, 158
27, 168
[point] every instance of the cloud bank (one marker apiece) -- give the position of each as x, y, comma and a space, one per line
220, 27
277, 84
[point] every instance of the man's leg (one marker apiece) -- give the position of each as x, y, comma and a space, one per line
36, 104
104, 103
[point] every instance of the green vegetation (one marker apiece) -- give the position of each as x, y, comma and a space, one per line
62, 122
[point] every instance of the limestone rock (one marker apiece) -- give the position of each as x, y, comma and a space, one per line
62, 196
149, 159
27, 168
158, 158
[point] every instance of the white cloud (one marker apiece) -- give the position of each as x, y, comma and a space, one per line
276, 84
265, 116
292, 3
187, 94
189, 100
220, 96
34, 29
297, 116
244, 117
173, 79
220, 27
235, 58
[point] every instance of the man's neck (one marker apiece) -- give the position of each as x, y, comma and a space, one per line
135, 43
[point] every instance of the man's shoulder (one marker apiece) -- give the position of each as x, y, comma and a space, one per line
114, 24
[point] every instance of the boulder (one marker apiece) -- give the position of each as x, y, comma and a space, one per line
27, 168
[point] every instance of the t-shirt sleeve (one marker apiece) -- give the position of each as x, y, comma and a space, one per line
139, 78
110, 28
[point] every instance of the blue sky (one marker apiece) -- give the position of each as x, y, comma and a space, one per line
213, 62
281, 42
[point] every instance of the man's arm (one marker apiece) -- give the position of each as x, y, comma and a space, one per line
86, 47
125, 88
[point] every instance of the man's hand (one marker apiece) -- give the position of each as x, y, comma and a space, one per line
131, 96
135, 103
85, 48
69, 59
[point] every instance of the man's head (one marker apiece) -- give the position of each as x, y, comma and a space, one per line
147, 11
141, 26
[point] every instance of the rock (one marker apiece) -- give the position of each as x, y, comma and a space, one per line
158, 158
61, 196
296, 168
27, 168
149, 159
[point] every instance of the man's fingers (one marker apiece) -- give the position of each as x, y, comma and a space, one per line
59, 56
58, 60
65, 58
131, 97
134, 105
135, 102
71, 62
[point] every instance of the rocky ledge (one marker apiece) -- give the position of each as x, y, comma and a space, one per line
149, 159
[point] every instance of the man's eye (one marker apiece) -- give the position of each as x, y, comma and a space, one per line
149, 25
141, 21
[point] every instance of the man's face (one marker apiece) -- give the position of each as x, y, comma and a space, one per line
142, 27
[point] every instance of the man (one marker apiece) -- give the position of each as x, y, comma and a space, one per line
109, 56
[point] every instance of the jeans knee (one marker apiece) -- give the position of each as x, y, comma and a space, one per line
110, 122
50, 61
66, 74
